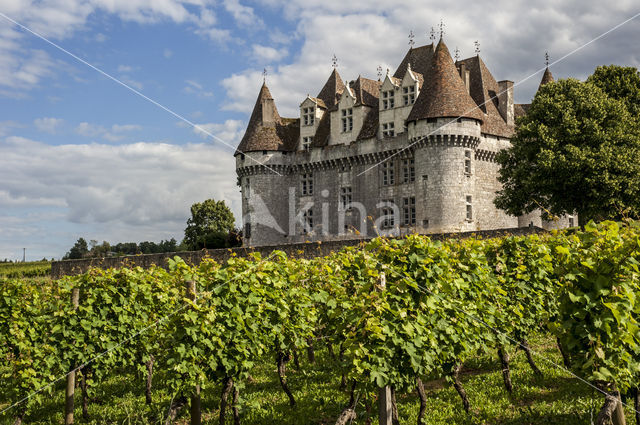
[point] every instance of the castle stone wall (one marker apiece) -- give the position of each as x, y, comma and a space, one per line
302, 250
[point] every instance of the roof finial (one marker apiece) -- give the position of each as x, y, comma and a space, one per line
457, 53
264, 76
441, 26
432, 35
546, 59
379, 72
477, 44
334, 61
411, 37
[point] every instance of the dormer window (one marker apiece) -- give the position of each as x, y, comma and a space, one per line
306, 143
387, 100
409, 95
308, 116
388, 129
347, 120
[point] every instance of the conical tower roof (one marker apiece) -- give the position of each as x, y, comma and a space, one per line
443, 93
332, 90
547, 77
266, 130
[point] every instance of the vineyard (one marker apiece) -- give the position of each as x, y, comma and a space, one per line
403, 314
21, 270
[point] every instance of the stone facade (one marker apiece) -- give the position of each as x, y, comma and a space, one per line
414, 152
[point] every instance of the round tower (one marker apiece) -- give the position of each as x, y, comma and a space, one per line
444, 127
262, 167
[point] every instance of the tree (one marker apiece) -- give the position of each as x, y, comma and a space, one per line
79, 250
576, 151
210, 224
621, 83
99, 250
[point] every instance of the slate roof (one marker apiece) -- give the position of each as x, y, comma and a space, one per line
370, 125
443, 93
332, 89
520, 109
319, 102
547, 77
419, 58
282, 136
323, 131
484, 90
366, 91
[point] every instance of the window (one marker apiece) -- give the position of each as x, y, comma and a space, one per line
571, 222
388, 214
247, 230
467, 162
387, 100
408, 170
388, 130
306, 143
307, 184
409, 211
409, 95
308, 115
469, 208
388, 177
345, 197
347, 120
425, 223
308, 221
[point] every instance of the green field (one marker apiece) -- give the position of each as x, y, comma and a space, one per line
557, 398
29, 269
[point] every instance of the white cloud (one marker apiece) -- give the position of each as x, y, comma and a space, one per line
230, 132
167, 53
367, 33
193, 87
139, 191
125, 127
243, 15
125, 68
98, 131
47, 124
7, 126
23, 68
266, 54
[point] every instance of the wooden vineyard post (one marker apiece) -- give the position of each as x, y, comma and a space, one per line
196, 415
71, 377
385, 413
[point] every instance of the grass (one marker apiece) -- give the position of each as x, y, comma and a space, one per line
556, 398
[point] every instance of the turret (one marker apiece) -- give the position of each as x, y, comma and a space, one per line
444, 124
261, 163
547, 77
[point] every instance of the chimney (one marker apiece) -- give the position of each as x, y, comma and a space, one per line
268, 112
464, 74
505, 101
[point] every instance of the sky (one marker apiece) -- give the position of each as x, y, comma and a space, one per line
83, 156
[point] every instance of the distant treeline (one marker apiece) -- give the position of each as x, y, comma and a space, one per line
93, 249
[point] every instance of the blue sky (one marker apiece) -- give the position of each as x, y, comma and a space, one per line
81, 156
